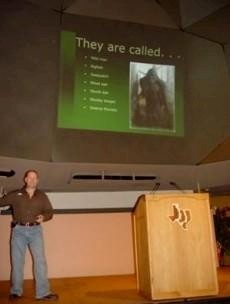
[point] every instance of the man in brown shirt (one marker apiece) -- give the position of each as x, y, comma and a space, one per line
30, 207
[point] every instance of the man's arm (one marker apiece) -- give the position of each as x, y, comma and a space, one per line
47, 210
6, 200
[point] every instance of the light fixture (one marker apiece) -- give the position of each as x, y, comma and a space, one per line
7, 173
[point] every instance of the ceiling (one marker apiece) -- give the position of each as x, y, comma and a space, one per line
209, 19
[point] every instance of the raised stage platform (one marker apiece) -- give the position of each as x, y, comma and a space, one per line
111, 290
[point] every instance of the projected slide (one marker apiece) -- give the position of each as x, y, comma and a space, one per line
107, 85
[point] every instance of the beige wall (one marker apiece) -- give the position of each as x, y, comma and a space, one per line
79, 245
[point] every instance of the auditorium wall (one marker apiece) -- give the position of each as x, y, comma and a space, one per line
29, 92
77, 245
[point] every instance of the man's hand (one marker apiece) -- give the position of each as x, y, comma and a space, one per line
40, 218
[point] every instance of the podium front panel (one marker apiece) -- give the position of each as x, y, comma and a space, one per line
175, 246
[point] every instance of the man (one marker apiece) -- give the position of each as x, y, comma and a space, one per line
30, 207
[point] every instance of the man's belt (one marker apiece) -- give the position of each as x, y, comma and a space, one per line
28, 224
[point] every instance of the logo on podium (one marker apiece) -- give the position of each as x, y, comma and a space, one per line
181, 216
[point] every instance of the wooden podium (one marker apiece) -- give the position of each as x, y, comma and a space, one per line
175, 246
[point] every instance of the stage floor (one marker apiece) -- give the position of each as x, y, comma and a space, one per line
108, 289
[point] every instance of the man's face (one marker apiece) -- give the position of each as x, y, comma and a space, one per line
31, 180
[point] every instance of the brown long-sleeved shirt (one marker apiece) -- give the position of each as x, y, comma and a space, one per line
26, 209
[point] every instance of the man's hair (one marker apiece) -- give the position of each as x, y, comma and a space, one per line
28, 171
